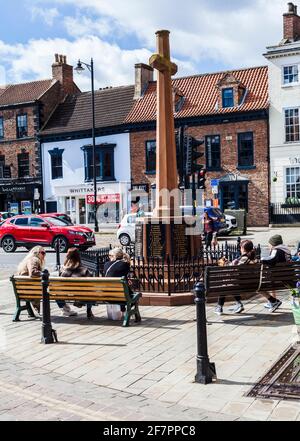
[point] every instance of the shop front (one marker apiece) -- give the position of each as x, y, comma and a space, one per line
79, 203
21, 198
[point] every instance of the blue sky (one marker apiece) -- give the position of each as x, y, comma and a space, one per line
206, 35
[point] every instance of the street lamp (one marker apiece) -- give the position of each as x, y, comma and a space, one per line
79, 69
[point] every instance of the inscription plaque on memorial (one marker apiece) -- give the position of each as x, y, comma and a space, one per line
156, 240
139, 227
181, 243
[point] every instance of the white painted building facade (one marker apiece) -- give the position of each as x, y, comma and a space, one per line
68, 185
284, 93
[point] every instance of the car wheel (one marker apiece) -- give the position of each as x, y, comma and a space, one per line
124, 240
62, 243
9, 244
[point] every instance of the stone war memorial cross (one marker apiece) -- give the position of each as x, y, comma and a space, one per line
164, 235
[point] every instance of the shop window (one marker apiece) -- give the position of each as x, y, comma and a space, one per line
245, 150
293, 185
234, 196
23, 165
1, 127
56, 163
22, 126
292, 125
105, 166
290, 74
227, 97
213, 152
150, 156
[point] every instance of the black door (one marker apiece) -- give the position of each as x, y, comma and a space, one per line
234, 196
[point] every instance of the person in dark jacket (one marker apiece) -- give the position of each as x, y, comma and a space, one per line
118, 266
279, 253
73, 268
209, 230
248, 257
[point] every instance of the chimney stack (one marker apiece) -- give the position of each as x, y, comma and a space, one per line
291, 24
143, 76
62, 72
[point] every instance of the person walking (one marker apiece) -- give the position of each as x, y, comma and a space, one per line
73, 268
32, 266
209, 230
248, 257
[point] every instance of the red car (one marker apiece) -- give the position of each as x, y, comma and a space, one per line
29, 231
61, 216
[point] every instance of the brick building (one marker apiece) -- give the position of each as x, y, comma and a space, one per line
229, 110
24, 109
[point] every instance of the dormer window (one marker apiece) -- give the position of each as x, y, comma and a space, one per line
227, 97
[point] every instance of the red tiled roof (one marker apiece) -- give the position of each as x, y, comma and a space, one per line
74, 114
25, 92
201, 95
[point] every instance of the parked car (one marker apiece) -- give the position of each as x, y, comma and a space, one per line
61, 216
126, 231
224, 223
29, 231
5, 215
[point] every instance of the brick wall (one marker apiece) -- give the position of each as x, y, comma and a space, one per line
291, 26
258, 197
11, 146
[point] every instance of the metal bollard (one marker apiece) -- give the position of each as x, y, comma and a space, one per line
206, 371
57, 257
48, 334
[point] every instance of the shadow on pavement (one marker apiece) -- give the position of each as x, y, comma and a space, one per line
253, 319
148, 322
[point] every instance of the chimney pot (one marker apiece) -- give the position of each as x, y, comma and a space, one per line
143, 76
291, 24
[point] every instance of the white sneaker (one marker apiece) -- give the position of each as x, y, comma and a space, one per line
68, 312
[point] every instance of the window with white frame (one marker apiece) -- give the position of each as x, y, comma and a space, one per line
292, 125
293, 184
290, 74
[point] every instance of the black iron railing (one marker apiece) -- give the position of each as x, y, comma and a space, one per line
165, 276
284, 213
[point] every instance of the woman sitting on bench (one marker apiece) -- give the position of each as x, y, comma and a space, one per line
248, 257
73, 268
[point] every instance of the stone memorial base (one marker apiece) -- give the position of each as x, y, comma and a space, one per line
167, 238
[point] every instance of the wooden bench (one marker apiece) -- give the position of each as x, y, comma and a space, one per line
250, 280
94, 290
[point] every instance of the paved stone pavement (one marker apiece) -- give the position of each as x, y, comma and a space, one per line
102, 371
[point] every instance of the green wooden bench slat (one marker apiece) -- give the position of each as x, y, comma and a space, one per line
93, 290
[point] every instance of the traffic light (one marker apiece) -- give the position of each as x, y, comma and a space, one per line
192, 155
201, 179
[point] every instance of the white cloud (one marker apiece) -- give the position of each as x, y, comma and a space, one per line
204, 34
232, 32
47, 15
113, 66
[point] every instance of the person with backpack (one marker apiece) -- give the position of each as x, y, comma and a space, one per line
209, 230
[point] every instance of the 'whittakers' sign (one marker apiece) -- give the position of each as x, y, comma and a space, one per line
103, 199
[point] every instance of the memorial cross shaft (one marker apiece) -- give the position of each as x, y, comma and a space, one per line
166, 178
